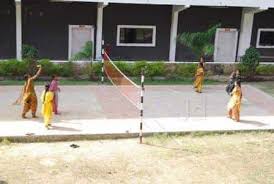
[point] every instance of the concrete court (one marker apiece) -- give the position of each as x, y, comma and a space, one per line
103, 110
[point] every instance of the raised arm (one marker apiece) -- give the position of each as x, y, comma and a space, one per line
37, 73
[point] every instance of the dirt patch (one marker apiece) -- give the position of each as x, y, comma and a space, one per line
237, 158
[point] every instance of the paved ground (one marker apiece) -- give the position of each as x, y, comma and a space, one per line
102, 109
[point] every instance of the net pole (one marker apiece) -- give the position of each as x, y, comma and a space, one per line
142, 107
102, 69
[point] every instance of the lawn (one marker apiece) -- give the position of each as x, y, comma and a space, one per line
88, 82
235, 158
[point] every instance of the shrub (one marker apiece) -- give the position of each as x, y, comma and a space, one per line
170, 71
29, 52
265, 70
126, 68
250, 61
244, 70
155, 69
48, 68
138, 67
96, 70
186, 70
13, 67
66, 69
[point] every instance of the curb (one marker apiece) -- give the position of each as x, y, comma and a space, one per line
82, 137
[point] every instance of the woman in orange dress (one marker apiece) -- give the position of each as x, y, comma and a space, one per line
199, 78
234, 104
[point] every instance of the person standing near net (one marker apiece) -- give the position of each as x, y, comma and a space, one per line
47, 99
235, 76
234, 104
199, 76
29, 97
54, 87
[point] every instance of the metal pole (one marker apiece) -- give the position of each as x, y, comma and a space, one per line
102, 74
141, 107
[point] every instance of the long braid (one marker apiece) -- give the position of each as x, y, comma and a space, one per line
46, 90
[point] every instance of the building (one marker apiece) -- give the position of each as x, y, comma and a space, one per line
135, 29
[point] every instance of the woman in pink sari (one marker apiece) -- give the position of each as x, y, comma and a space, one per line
54, 87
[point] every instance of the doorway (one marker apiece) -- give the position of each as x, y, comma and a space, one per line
225, 45
79, 35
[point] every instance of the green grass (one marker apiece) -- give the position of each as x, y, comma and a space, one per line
88, 82
178, 82
62, 82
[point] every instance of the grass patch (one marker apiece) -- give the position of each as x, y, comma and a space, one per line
88, 82
5, 141
62, 82
178, 82
165, 138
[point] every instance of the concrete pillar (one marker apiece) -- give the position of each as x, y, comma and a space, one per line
99, 29
173, 31
246, 29
18, 29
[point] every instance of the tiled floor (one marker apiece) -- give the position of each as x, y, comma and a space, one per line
102, 109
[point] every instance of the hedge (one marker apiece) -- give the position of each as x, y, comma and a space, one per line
14, 68
265, 70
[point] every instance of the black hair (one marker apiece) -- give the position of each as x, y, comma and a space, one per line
46, 90
233, 75
238, 82
47, 87
201, 64
26, 77
53, 76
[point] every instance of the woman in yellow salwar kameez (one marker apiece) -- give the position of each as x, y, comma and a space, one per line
47, 106
234, 104
199, 78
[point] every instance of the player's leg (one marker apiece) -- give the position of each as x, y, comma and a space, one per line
33, 105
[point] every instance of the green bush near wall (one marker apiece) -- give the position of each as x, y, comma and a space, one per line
125, 67
14, 68
186, 70
265, 70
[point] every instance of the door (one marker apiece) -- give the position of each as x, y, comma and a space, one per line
225, 45
79, 35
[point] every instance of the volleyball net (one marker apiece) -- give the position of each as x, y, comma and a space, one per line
129, 89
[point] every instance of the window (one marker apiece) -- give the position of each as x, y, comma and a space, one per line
136, 36
265, 38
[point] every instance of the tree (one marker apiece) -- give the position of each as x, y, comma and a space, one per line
199, 42
249, 62
30, 55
